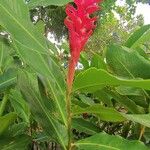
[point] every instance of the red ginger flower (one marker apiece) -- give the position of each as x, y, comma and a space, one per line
80, 26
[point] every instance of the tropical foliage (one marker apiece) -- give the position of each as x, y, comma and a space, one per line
109, 104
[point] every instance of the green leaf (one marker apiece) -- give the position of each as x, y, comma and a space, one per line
40, 26
19, 105
42, 110
79, 103
124, 90
84, 61
18, 129
98, 62
32, 48
86, 100
140, 100
35, 3
127, 63
143, 119
8, 78
6, 121
127, 103
103, 96
134, 94
15, 143
5, 59
94, 79
104, 113
14, 18
142, 49
82, 125
140, 36
103, 141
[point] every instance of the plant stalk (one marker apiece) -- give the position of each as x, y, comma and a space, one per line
141, 132
69, 119
70, 77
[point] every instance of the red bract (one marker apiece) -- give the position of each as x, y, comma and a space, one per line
80, 26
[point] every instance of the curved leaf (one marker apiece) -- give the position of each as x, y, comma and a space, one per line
104, 113
82, 125
127, 63
19, 105
143, 119
6, 120
94, 79
103, 141
32, 48
15, 143
42, 110
35, 3
98, 62
140, 36
13, 17
5, 59
8, 78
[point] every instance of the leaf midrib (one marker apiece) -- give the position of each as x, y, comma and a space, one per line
22, 27
99, 145
120, 82
5, 82
133, 77
48, 117
134, 45
60, 110
127, 70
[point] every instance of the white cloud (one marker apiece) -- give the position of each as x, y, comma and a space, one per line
145, 10
120, 2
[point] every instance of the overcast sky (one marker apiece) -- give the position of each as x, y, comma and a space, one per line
141, 9
145, 10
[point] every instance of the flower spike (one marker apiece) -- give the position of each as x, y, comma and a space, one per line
80, 26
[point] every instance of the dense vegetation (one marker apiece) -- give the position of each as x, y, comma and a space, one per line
110, 99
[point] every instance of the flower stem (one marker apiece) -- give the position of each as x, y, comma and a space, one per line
69, 119
71, 72
3, 104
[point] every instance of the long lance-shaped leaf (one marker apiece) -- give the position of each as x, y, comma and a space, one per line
103, 141
85, 126
6, 121
5, 59
30, 45
40, 108
94, 79
49, 69
143, 119
19, 142
140, 36
7, 74
35, 3
8, 79
13, 17
104, 113
127, 63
